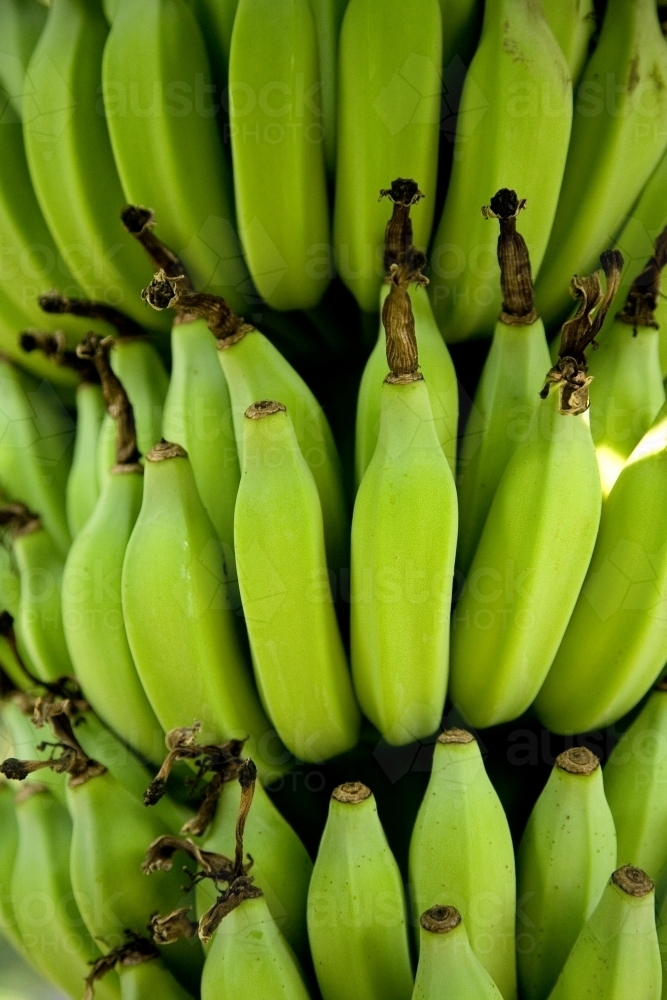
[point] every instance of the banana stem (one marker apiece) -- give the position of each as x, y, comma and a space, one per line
403, 193
139, 222
516, 280
165, 292
644, 294
95, 350
55, 303
398, 319
53, 346
135, 951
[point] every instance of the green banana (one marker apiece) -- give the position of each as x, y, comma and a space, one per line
281, 863
448, 968
328, 15
507, 392
25, 741
627, 389
572, 23
39, 620
278, 151
389, 91
509, 622
9, 838
171, 157
181, 630
296, 646
91, 587
254, 370
11, 663
567, 851
617, 953
403, 544
613, 648
633, 780
70, 158
149, 979
357, 919
461, 850
514, 116
36, 435
21, 23
434, 359
618, 136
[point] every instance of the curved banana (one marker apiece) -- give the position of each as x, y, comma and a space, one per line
277, 135
507, 392
70, 158
614, 646
171, 158
573, 24
9, 839
92, 611
328, 15
461, 850
357, 917
514, 116
435, 362
634, 776
616, 954
389, 91
181, 629
567, 851
448, 968
510, 620
21, 24
403, 544
619, 133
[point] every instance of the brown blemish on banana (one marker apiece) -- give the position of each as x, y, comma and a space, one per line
264, 408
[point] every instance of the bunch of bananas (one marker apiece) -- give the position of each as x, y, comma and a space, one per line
210, 211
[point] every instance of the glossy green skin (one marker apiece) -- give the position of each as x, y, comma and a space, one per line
82, 483
142, 373
384, 129
216, 20
21, 23
297, 649
437, 368
567, 854
449, 970
634, 777
357, 918
181, 630
10, 586
514, 116
328, 15
506, 398
9, 839
172, 159
111, 833
198, 416
256, 370
278, 151
71, 163
93, 618
541, 527
617, 953
573, 23
36, 435
403, 547
39, 624
49, 922
281, 864
461, 851
614, 148
614, 646
626, 393
150, 979
248, 952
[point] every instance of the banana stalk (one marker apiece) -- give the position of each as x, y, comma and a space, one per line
448, 968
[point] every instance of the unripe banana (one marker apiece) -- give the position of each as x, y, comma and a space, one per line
149, 979
617, 953
573, 23
448, 968
388, 115
177, 614
507, 633
357, 918
519, 70
35, 449
435, 362
70, 158
461, 850
618, 136
172, 158
328, 15
278, 151
634, 778
9, 839
21, 23
26, 743
507, 392
296, 645
11, 663
567, 851
614, 645
281, 866
403, 544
